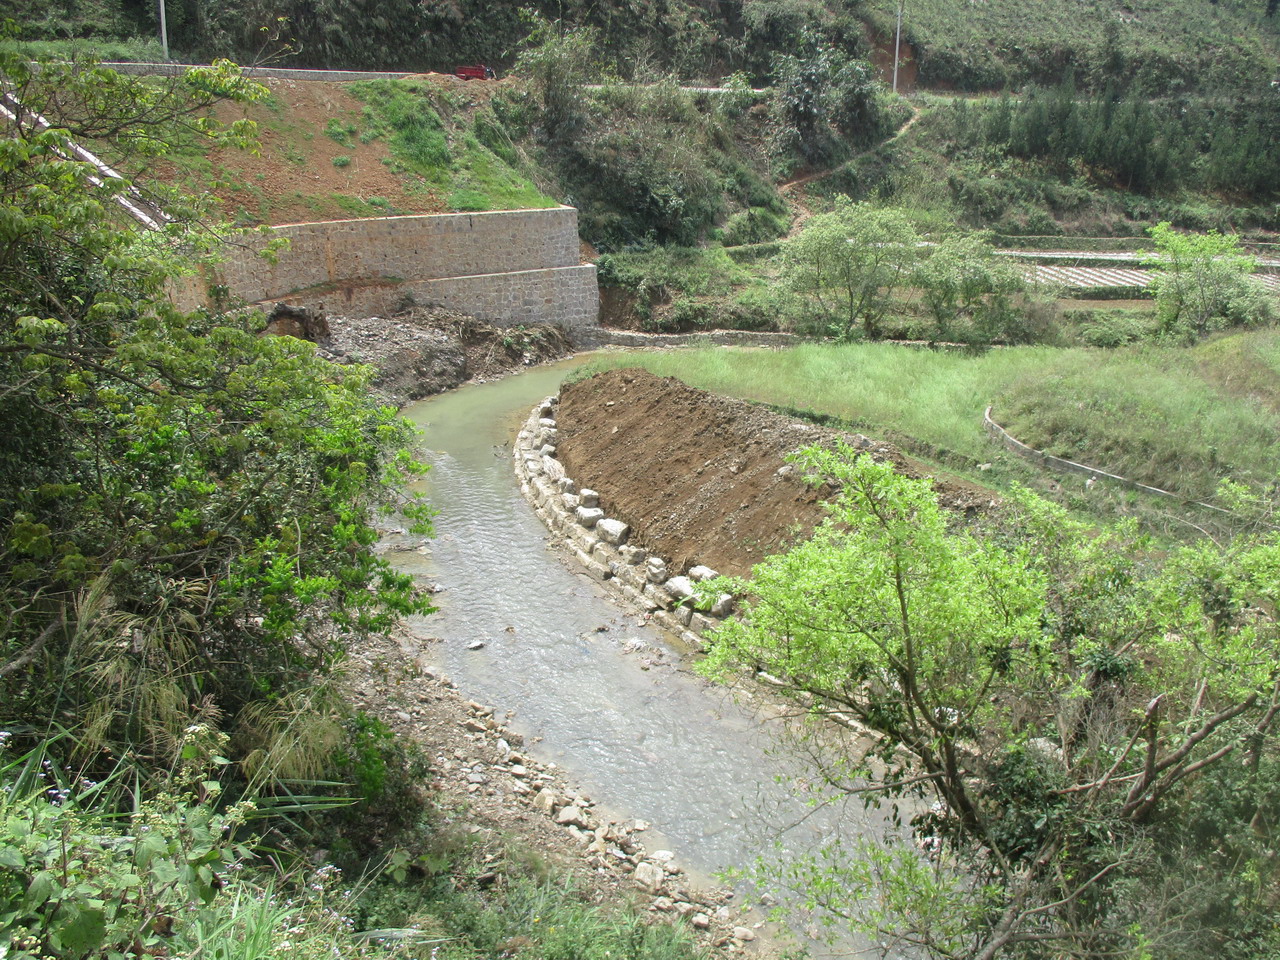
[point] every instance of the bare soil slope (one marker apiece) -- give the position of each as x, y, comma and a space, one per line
700, 478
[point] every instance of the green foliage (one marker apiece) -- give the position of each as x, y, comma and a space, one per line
474, 162
1201, 283
1126, 139
826, 100
413, 129
176, 874
1158, 47
558, 62
1114, 328
849, 262
754, 225
648, 164
970, 293
186, 507
1056, 693
340, 132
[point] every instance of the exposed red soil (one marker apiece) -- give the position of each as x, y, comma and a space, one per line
293, 177
699, 477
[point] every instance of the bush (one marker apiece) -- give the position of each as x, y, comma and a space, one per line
756, 225
1113, 328
172, 875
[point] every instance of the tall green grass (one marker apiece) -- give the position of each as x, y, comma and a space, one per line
1166, 416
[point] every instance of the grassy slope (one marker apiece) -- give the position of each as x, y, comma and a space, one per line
331, 151
1176, 418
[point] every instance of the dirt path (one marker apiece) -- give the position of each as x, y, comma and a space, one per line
793, 190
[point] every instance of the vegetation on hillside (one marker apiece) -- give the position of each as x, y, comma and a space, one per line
1150, 45
186, 508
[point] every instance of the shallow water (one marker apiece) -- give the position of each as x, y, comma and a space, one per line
591, 687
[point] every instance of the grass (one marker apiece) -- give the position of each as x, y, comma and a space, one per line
431, 139
1175, 418
135, 50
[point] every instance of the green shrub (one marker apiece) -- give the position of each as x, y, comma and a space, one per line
340, 131
1114, 328
97, 870
755, 225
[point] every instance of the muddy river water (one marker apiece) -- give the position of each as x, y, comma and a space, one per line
593, 688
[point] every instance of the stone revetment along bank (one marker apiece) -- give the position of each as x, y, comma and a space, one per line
600, 543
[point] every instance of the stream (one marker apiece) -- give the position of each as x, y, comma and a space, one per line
608, 698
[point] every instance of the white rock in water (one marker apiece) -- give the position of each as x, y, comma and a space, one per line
613, 531
699, 573
650, 876
589, 516
681, 588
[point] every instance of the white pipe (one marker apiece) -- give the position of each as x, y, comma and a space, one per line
16, 111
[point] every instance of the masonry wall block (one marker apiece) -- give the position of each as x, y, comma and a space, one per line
509, 267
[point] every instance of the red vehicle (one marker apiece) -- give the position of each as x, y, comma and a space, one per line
478, 72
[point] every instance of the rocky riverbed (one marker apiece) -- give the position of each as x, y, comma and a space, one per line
423, 351
481, 771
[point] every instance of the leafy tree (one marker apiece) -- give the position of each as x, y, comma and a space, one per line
969, 291
185, 506
849, 262
823, 93
1202, 283
558, 61
1084, 741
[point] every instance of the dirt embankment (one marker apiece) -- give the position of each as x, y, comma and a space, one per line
702, 478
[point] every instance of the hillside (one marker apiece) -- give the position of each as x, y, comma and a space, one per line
1160, 47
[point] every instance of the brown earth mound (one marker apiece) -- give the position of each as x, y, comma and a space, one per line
700, 478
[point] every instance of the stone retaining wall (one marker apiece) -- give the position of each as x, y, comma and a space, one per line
507, 267
600, 543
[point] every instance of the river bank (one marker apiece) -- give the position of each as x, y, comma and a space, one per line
505, 778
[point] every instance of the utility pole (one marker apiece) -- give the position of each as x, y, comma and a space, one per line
897, 44
164, 38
